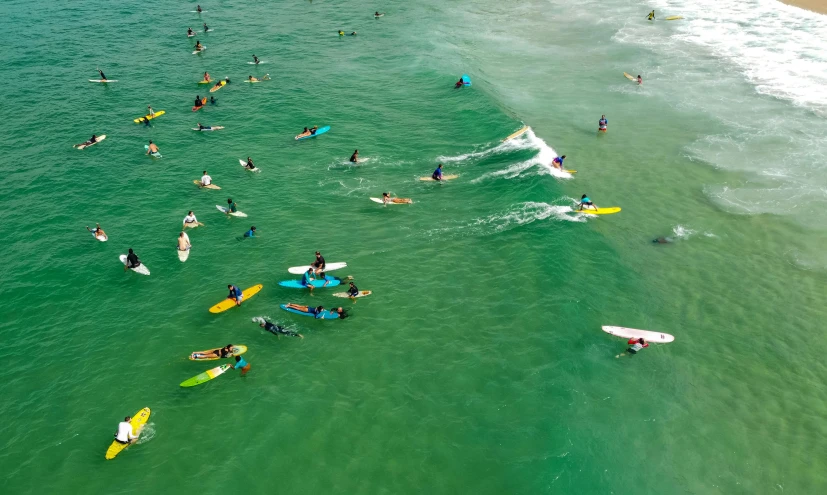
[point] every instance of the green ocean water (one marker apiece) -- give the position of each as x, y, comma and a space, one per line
478, 364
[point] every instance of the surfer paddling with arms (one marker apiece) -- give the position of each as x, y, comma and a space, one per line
125, 433
636, 346
235, 294
602, 124
308, 132
386, 198
98, 231
639, 80
222, 353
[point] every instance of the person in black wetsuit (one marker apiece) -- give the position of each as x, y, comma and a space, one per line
132, 261
353, 291
278, 329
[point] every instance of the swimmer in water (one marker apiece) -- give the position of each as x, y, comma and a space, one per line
213, 101
639, 80
602, 124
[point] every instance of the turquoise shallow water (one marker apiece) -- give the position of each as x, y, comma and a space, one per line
478, 365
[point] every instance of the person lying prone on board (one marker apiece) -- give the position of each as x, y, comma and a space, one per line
224, 352
98, 231
386, 198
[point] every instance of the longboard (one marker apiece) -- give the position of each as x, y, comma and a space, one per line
239, 214
297, 284
444, 177
84, 145
210, 186
328, 267
320, 130
629, 76
213, 128
199, 355
216, 88
324, 315
203, 47
518, 133
244, 164
379, 200
183, 255
362, 293
149, 117
631, 333
206, 376
142, 269
205, 81
103, 80
230, 303
138, 421
600, 211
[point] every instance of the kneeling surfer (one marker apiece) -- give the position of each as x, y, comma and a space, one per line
235, 294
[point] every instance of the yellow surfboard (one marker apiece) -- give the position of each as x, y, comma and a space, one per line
444, 177
229, 303
138, 421
600, 211
216, 88
205, 81
674, 17
629, 76
518, 133
149, 117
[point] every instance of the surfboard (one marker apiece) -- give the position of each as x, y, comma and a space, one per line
206, 376
183, 255
203, 47
190, 35
202, 12
259, 62
600, 211
518, 133
444, 177
235, 214
328, 267
154, 154
213, 128
324, 315
203, 102
379, 200
102, 238
149, 117
230, 303
191, 225
208, 30
84, 145
378, 16
103, 80
237, 350
362, 293
297, 284
205, 81
466, 81
142, 269
629, 76
674, 17
211, 186
256, 81
216, 88
244, 164
320, 130
138, 421
631, 333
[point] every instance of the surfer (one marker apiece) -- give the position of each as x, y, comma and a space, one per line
305, 132
306, 309
241, 364
277, 329
662, 240
222, 353
458, 84
213, 101
251, 232
198, 46
190, 220
190, 32
235, 294
103, 76
636, 346
318, 264
184, 241
586, 201
437, 175
198, 103
150, 111
92, 140
377, 14
219, 84
231, 206
204, 127
207, 77
307, 278
152, 149
252, 79
386, 198
132, 261
354, 158
266, 77
602, 124
98, 231
341, 33
126, 435
639, 80
206, 180
352, 34
651, 16
342, 314
206, 28
558, 162
256, 60
198, 9
250, 165
352, 291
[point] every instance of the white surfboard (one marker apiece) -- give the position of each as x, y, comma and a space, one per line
84, 145
328, 267
630, 333
379, 200
101, 238
183, 255
259, 62
362, 293
190, 35
244, 164
103, 80
142, 269
235, 214
203, 47
154, 154
213, 128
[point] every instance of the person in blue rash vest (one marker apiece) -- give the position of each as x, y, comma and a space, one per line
586, 201
437, 175
235, 294
251, 232
558, 162
307, 278
241, 364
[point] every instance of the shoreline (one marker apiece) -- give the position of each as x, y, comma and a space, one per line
819, 6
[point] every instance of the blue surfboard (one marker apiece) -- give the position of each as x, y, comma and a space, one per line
466, 81
297, 284
324, 315
320, 130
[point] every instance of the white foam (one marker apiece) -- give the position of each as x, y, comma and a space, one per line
541, 161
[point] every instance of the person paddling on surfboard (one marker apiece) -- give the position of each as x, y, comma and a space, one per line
190, 32
206, 180
558, 162
250, 165
256, 60
306, 309
277, 329
651, 16
92, 140
354, 158
98, 231
235, 294
586, 201
252, 79
458, 84
126, 435
437, 175
152, 149
386, 198
639, 80
222, 353
602, 124
132, 260
636, 346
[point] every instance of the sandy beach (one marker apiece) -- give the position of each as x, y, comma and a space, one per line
819, 6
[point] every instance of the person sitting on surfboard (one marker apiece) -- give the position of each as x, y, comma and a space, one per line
241, 364
103, 76
277, 329
190, 32
437, 175
207, 77
198, 102
152, 149
198, 46
386, 198
255, 59
250, 164
602, 124
354, 158
206, 28
98, 230
126, 435
92, 140
184, 242
319, 263
558, 162
198, 9
231, 206
190, 219
307, 278
651, 16
132, 260
251, 232
235, 294
586, 201
206, 180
